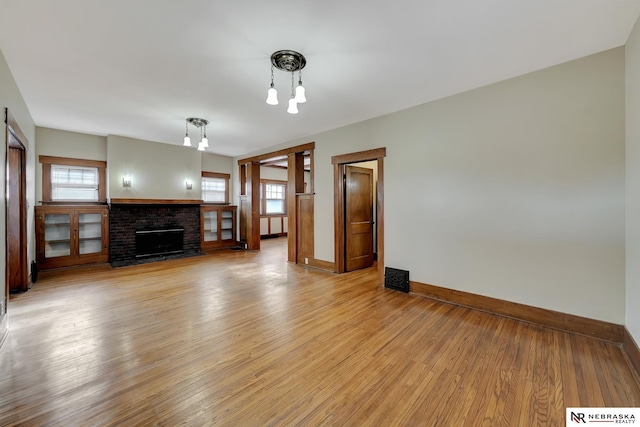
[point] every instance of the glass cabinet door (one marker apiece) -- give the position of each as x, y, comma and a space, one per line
57, 235
89, 233
227, 225
210, 226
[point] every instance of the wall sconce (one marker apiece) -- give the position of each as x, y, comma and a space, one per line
126, 181
188, 184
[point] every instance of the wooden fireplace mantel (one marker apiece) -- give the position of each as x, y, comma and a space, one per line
155, 202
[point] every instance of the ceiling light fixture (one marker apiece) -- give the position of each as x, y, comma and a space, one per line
200, 124
288, 61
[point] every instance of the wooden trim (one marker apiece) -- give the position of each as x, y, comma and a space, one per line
155, 202
540, 316
338, 218
15, 129
16, 257
631, 349
284, 152
68, 161
311, 173
46, 183
242, 171
216, 175
102, 183
360, 156
380, 219
73, 203
253, 193
294, 176
274, 215
322, 265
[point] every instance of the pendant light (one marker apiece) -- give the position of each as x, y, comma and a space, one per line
288, 61
200, 124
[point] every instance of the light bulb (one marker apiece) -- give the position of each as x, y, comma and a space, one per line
293, 107
205, 142
300, 98
272, 96
201, 146
187, 141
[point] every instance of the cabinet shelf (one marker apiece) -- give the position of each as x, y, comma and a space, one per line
54, 241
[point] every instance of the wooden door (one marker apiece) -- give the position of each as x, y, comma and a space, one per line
17, 264
358, 218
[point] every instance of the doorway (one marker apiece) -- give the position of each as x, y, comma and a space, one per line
16, 272
354, 225
17, 275
297, 162
359, 223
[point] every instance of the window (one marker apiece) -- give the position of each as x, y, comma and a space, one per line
215, 187
73, 180
74, 183
273, 197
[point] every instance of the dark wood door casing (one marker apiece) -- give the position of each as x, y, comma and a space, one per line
358, 218
17, 269
16, 260
339, 162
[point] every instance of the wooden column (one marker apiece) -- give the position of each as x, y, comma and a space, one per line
380, 218
250, 205
295, 185
243, 179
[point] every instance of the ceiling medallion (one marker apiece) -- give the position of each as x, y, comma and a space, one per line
288, 60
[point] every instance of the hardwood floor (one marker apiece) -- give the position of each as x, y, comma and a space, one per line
246, 339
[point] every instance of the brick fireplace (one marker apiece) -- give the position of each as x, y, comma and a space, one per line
131, 216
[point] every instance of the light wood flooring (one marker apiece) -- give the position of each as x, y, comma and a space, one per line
245, 339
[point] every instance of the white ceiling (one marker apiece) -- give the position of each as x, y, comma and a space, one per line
138, 68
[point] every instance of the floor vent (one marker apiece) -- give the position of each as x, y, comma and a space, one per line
395, 279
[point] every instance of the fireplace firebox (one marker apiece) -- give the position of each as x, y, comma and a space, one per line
164, 241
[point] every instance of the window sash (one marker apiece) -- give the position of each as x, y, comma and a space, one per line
273, 197
213, 190
74, 183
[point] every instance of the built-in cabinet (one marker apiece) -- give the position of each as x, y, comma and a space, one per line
71, 235
217, 226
